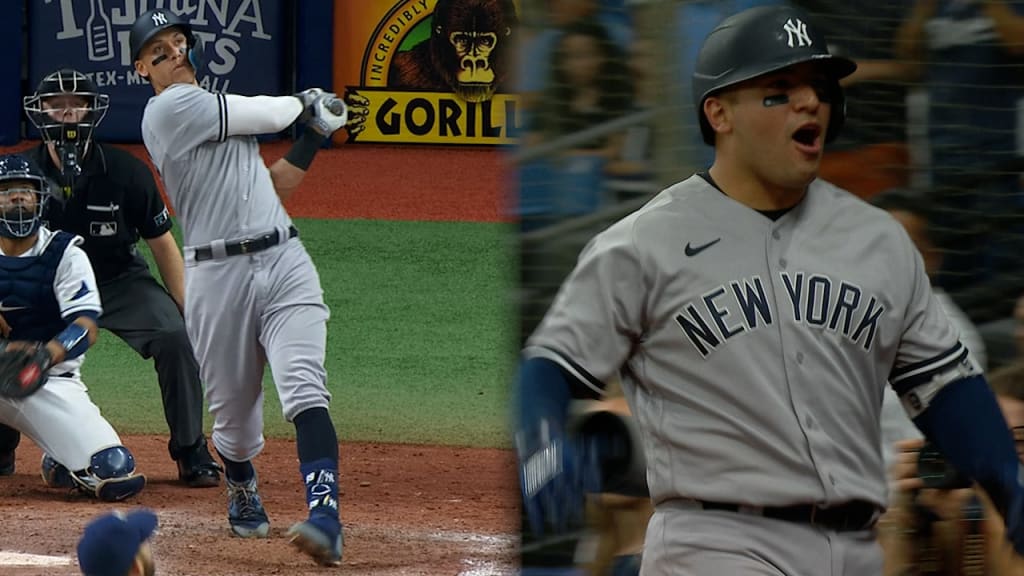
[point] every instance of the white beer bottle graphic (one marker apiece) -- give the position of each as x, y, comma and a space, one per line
99, 36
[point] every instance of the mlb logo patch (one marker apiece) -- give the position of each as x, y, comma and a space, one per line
161, 218
102, 228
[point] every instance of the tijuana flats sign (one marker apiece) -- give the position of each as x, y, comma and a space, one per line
99, 30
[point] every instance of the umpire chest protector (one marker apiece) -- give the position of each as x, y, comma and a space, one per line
27, 299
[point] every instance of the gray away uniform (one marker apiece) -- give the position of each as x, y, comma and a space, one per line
246, 310
754, 354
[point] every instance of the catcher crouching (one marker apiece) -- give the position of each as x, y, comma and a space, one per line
49, 305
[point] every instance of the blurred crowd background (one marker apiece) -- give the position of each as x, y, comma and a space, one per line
933, 135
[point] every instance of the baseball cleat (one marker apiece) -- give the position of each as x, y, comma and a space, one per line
54, 474
199, 477
198, 468
323, 545
246, 515
7, 463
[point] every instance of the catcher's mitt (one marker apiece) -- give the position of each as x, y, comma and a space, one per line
23, 368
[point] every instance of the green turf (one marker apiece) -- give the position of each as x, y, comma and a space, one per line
419, 343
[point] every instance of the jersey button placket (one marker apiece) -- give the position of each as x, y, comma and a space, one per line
816, 437
776, 235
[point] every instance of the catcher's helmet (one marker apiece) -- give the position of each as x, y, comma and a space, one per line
152, 22
51, 121
758, 41
17, 220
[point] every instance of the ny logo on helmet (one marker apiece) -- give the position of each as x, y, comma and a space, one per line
159, 18
797, 30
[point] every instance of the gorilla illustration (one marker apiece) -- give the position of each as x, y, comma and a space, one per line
467, 52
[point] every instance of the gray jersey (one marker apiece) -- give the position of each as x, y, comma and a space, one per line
185, 131
254, 308
753, 352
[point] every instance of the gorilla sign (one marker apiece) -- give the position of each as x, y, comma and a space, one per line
435, 72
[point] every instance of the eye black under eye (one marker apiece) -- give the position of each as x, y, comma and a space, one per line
824, 91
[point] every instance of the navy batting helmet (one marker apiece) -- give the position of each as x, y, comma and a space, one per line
52, 120
758, 41
152, 22
18, 217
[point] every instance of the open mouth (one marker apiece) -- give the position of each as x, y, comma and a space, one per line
807, 135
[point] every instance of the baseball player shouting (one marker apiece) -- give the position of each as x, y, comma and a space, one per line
252, 293
755, 315
50, 303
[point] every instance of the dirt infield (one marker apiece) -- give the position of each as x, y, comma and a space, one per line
416, 510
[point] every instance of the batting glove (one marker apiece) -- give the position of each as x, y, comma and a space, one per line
555, 473
307, 97
329, 114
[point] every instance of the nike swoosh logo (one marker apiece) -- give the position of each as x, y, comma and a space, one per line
11, 308
694, 250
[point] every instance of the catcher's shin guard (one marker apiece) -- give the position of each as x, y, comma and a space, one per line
117, 489
54, 474
110, 477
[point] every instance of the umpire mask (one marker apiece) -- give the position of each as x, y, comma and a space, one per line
66, 108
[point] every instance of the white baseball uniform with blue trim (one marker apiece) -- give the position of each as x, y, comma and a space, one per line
60, 417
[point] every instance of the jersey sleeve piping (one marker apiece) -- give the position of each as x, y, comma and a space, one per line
594, 387
912, 375
85, 312
222, 129
76, 310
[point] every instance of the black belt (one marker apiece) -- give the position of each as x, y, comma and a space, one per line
247, 246
851, 516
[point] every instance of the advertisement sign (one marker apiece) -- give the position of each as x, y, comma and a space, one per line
428, 71
244, 44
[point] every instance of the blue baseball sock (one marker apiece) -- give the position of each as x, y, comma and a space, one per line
237, 472
317, 445
321, 479
315, 437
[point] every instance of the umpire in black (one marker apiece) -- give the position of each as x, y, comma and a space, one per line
111, 199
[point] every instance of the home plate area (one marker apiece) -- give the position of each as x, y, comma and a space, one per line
407, 509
